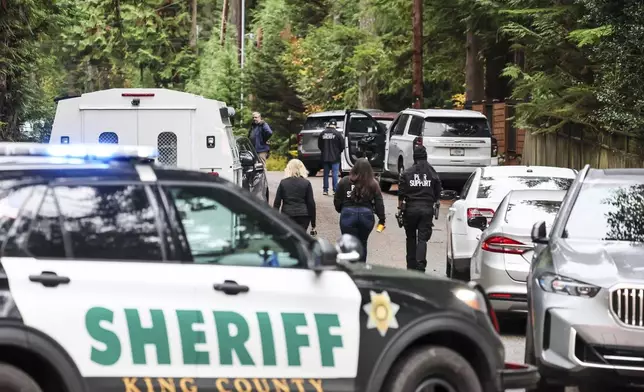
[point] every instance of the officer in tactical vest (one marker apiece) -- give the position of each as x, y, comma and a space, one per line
418, 191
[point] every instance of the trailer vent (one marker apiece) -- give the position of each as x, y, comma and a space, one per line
108, 138
167, 146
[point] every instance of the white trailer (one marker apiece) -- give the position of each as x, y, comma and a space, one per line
189, 131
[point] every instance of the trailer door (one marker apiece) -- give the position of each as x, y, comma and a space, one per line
169, 132
109, 126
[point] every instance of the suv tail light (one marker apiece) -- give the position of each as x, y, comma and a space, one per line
486, 212
500, 244
299, 139
494, 148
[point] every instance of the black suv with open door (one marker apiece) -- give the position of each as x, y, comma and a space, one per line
364, 137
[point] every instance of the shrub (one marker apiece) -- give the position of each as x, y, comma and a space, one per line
276, 163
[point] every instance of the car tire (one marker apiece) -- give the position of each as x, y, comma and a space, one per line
268, 194
385, 186
432, 364
531, 359
13, 379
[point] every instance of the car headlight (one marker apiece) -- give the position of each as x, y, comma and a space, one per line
472, 298
554, 283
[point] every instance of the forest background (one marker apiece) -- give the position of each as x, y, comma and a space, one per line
570, 62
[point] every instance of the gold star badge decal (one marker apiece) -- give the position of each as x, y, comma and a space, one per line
381, 312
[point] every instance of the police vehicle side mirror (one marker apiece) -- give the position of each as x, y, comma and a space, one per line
538, 234
449, 195
247, 158
324, 254
478, 222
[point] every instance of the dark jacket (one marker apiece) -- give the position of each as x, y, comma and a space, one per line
295, 198
259, 135
342, 199
419, 186
331, 145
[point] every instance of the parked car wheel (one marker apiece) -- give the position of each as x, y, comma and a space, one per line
13, 379
433, 368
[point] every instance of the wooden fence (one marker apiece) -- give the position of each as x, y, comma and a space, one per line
574, 149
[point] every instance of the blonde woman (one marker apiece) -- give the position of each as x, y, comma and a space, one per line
294, 196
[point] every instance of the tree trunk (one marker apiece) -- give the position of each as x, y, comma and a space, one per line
224, 22
367, 86
417, 60
234, 7
474, 74
497, 86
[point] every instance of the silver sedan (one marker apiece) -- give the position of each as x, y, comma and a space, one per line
501, 261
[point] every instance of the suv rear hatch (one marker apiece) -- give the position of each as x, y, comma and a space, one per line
457, 141
308, 137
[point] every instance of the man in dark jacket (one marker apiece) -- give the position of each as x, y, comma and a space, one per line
331, 145
419, 188
259, 134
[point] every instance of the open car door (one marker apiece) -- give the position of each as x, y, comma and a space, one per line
364, 137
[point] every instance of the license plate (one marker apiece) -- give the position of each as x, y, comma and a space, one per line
456, 152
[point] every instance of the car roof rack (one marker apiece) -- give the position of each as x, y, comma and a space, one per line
87, 152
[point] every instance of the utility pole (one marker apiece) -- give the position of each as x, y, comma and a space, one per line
242, 37
417, 60
193, 30
224, 20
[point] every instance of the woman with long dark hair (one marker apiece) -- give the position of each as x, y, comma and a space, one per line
357, 198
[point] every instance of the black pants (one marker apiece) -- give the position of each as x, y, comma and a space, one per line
357, 221
303, 221
418, 229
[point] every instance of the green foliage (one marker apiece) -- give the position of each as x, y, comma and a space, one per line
276, 163
558, 75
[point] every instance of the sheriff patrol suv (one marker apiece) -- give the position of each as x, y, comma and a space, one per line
120, 275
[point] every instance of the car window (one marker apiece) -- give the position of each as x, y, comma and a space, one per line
46, 235
385, 123
15, 229
416, 126
456, 127
607, 212
313, 123
221, 230
467, 186
109, 222
527, 212
498, 187
401, 124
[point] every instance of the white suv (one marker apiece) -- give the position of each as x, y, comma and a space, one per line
457, 142
481, 196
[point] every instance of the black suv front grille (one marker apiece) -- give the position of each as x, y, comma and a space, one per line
628, 305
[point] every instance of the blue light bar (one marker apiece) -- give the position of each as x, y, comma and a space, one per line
102, 152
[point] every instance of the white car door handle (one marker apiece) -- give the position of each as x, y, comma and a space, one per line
478, 237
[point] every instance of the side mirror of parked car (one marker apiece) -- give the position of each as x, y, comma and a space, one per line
449, 195
349, 248
539, 235
478, 222
246, 158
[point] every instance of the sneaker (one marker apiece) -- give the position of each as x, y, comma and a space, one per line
325, 193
